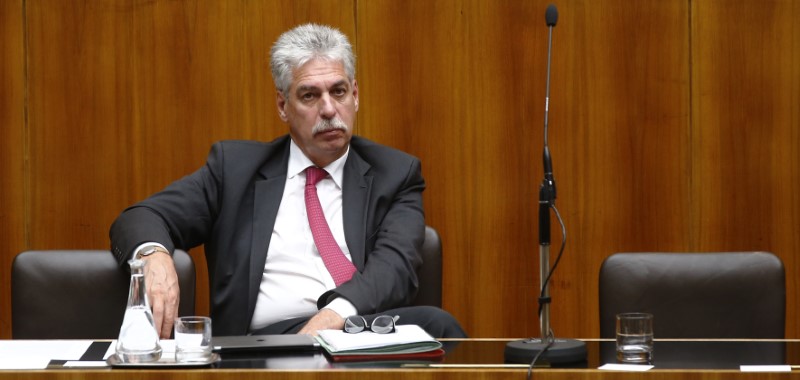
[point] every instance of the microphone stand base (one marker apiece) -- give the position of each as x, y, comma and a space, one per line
561, 351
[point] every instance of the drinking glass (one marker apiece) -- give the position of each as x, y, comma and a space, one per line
192, 339
635, 337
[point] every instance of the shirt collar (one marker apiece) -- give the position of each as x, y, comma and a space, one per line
298, 162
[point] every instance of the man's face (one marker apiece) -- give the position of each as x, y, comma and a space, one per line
320, 109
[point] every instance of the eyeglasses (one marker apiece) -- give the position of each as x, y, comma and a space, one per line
382, 324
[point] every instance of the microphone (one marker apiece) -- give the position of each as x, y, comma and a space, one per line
551, 15
547, 191
555, 351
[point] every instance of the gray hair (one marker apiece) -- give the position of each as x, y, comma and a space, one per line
304, 43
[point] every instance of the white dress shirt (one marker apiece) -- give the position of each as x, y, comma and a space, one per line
294, 274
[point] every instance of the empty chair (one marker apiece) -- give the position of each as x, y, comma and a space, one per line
430, 275
78, 294
696, 295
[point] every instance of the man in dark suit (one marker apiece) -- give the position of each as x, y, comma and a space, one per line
248, 206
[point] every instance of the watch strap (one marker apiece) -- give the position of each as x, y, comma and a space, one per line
149, 250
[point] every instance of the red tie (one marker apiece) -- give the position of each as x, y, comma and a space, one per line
340, 268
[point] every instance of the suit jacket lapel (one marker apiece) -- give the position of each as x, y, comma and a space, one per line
356, 187
268, 193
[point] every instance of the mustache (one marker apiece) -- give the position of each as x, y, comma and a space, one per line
326, 125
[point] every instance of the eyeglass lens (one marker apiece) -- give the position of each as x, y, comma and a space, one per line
382, 324
355, 324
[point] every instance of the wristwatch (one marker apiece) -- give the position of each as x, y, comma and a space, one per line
149, 250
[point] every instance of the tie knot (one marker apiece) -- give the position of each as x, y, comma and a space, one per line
314, 175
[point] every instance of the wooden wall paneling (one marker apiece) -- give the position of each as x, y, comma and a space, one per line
12, 150
619, 119
789, 232
468, 79
453, 82
745, 142
81, 119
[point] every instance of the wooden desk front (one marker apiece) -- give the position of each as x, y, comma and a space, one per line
477, 359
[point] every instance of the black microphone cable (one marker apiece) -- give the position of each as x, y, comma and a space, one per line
542, 298
550, 340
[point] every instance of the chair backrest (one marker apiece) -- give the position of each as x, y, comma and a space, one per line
696, 295
430, 275
78, 294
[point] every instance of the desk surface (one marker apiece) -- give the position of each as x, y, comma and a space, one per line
479, 359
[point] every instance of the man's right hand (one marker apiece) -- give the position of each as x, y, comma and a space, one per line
163, 291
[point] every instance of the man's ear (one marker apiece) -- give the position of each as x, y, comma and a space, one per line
280, 102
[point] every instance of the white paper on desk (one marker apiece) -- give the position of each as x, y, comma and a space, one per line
626, 367
24, 363
36, 354
338, 340
765, 368
85, 364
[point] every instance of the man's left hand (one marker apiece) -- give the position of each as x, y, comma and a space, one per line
324, 319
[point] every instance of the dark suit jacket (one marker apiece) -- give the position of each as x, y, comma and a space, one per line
231, 203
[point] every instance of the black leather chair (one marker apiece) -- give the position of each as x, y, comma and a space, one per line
696, 295
78, 294
430, 275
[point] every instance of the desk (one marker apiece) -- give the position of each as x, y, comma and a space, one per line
477, 359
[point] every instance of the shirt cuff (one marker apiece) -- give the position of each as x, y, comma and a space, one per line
342, 306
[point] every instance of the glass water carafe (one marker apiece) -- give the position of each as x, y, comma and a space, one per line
138, 338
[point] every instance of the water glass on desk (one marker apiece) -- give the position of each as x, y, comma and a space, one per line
635, 337
192, 339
